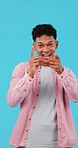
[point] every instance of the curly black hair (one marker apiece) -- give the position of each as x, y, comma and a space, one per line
44, 29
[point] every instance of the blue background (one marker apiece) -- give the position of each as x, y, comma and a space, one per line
17, 18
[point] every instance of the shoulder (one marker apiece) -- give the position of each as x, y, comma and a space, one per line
21, 67
67, 70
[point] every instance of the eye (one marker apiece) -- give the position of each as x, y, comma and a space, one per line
40, 45
50, 44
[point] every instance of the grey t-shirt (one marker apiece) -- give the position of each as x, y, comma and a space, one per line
43, 132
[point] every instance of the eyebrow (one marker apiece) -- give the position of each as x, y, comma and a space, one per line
40, 42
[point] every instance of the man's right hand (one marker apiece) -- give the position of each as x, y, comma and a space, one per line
33, 64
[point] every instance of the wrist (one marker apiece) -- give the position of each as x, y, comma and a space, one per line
30, 74
61, 70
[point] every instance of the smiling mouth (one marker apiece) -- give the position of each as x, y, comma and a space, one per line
46, 55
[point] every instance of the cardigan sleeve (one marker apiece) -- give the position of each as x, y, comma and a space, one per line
20, 85
70, 84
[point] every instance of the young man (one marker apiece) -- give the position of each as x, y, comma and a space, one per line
42, 87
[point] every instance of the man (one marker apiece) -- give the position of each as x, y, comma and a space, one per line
42, 87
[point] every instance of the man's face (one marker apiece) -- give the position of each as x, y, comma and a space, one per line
46, 47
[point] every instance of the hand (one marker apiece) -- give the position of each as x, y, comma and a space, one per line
33, 64
56, 64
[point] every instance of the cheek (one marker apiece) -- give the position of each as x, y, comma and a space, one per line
53, 49
39, 51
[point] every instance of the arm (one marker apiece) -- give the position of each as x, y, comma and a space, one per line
70, 84
19, 86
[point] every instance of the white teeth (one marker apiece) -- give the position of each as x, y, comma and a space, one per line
47, 55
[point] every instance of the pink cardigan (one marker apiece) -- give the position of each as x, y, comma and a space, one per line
24, 90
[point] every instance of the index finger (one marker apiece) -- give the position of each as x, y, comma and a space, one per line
33, 49
56, 56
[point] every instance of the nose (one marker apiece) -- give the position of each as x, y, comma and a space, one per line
45, 48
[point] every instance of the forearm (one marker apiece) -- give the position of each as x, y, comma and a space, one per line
70, 84
19, 91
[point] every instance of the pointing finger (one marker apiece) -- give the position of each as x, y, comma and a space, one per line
56, 56
33, 49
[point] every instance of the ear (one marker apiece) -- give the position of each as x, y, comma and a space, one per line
57, 44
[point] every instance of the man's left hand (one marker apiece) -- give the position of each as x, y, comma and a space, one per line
56, 64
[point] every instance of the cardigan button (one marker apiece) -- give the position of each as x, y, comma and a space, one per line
27, 131
25, 90
29, 80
